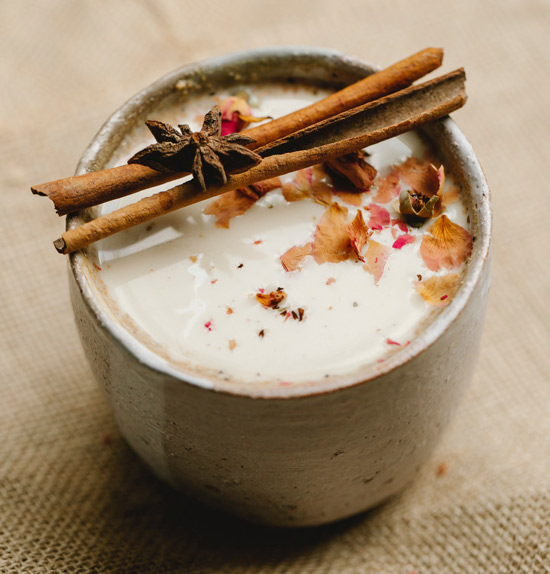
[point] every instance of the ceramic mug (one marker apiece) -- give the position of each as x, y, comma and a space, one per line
301, 455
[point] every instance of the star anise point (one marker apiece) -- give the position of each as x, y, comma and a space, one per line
206, 154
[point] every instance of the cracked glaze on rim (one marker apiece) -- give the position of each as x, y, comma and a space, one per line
330, 66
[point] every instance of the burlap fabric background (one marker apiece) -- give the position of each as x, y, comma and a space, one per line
74, 498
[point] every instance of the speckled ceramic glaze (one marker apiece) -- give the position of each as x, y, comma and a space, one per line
288, 456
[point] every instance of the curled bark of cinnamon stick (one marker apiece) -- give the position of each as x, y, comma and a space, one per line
380, 114
376, 122
77, 192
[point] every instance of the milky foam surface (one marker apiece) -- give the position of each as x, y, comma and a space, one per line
177, 277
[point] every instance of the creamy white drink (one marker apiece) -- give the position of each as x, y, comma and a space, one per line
194, 289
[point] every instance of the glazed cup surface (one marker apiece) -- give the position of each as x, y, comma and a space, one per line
288, 456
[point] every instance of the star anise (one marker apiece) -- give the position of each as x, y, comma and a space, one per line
206, 154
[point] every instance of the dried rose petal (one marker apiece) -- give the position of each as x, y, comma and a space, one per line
379, 216
300, 187
388, 188
448, 246
263, 187
410, 164
292, 258
403, 240
236, 202
353, 169
376, 256
271, 299
319, 172
350, 197
358, 234
451, 195
331, 241
441, 178
232, 125
401, 224
439, 291
422, 176
236, 115
229, 205
321, 192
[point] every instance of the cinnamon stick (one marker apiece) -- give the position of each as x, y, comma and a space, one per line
377, 121
80, 191
369, 117
387, 81
77, 192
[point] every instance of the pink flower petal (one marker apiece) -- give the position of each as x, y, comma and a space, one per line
379, 216
403, 240
376, 256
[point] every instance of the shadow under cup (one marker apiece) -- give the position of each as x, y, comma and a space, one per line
287, 456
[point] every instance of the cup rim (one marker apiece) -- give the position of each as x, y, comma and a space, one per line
446, 128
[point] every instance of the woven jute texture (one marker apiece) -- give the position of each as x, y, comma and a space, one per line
73, 496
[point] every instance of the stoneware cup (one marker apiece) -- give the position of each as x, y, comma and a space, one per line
286, 456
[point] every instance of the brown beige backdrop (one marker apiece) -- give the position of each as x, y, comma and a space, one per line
73, 497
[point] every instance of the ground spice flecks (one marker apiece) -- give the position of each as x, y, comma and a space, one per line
273, 300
